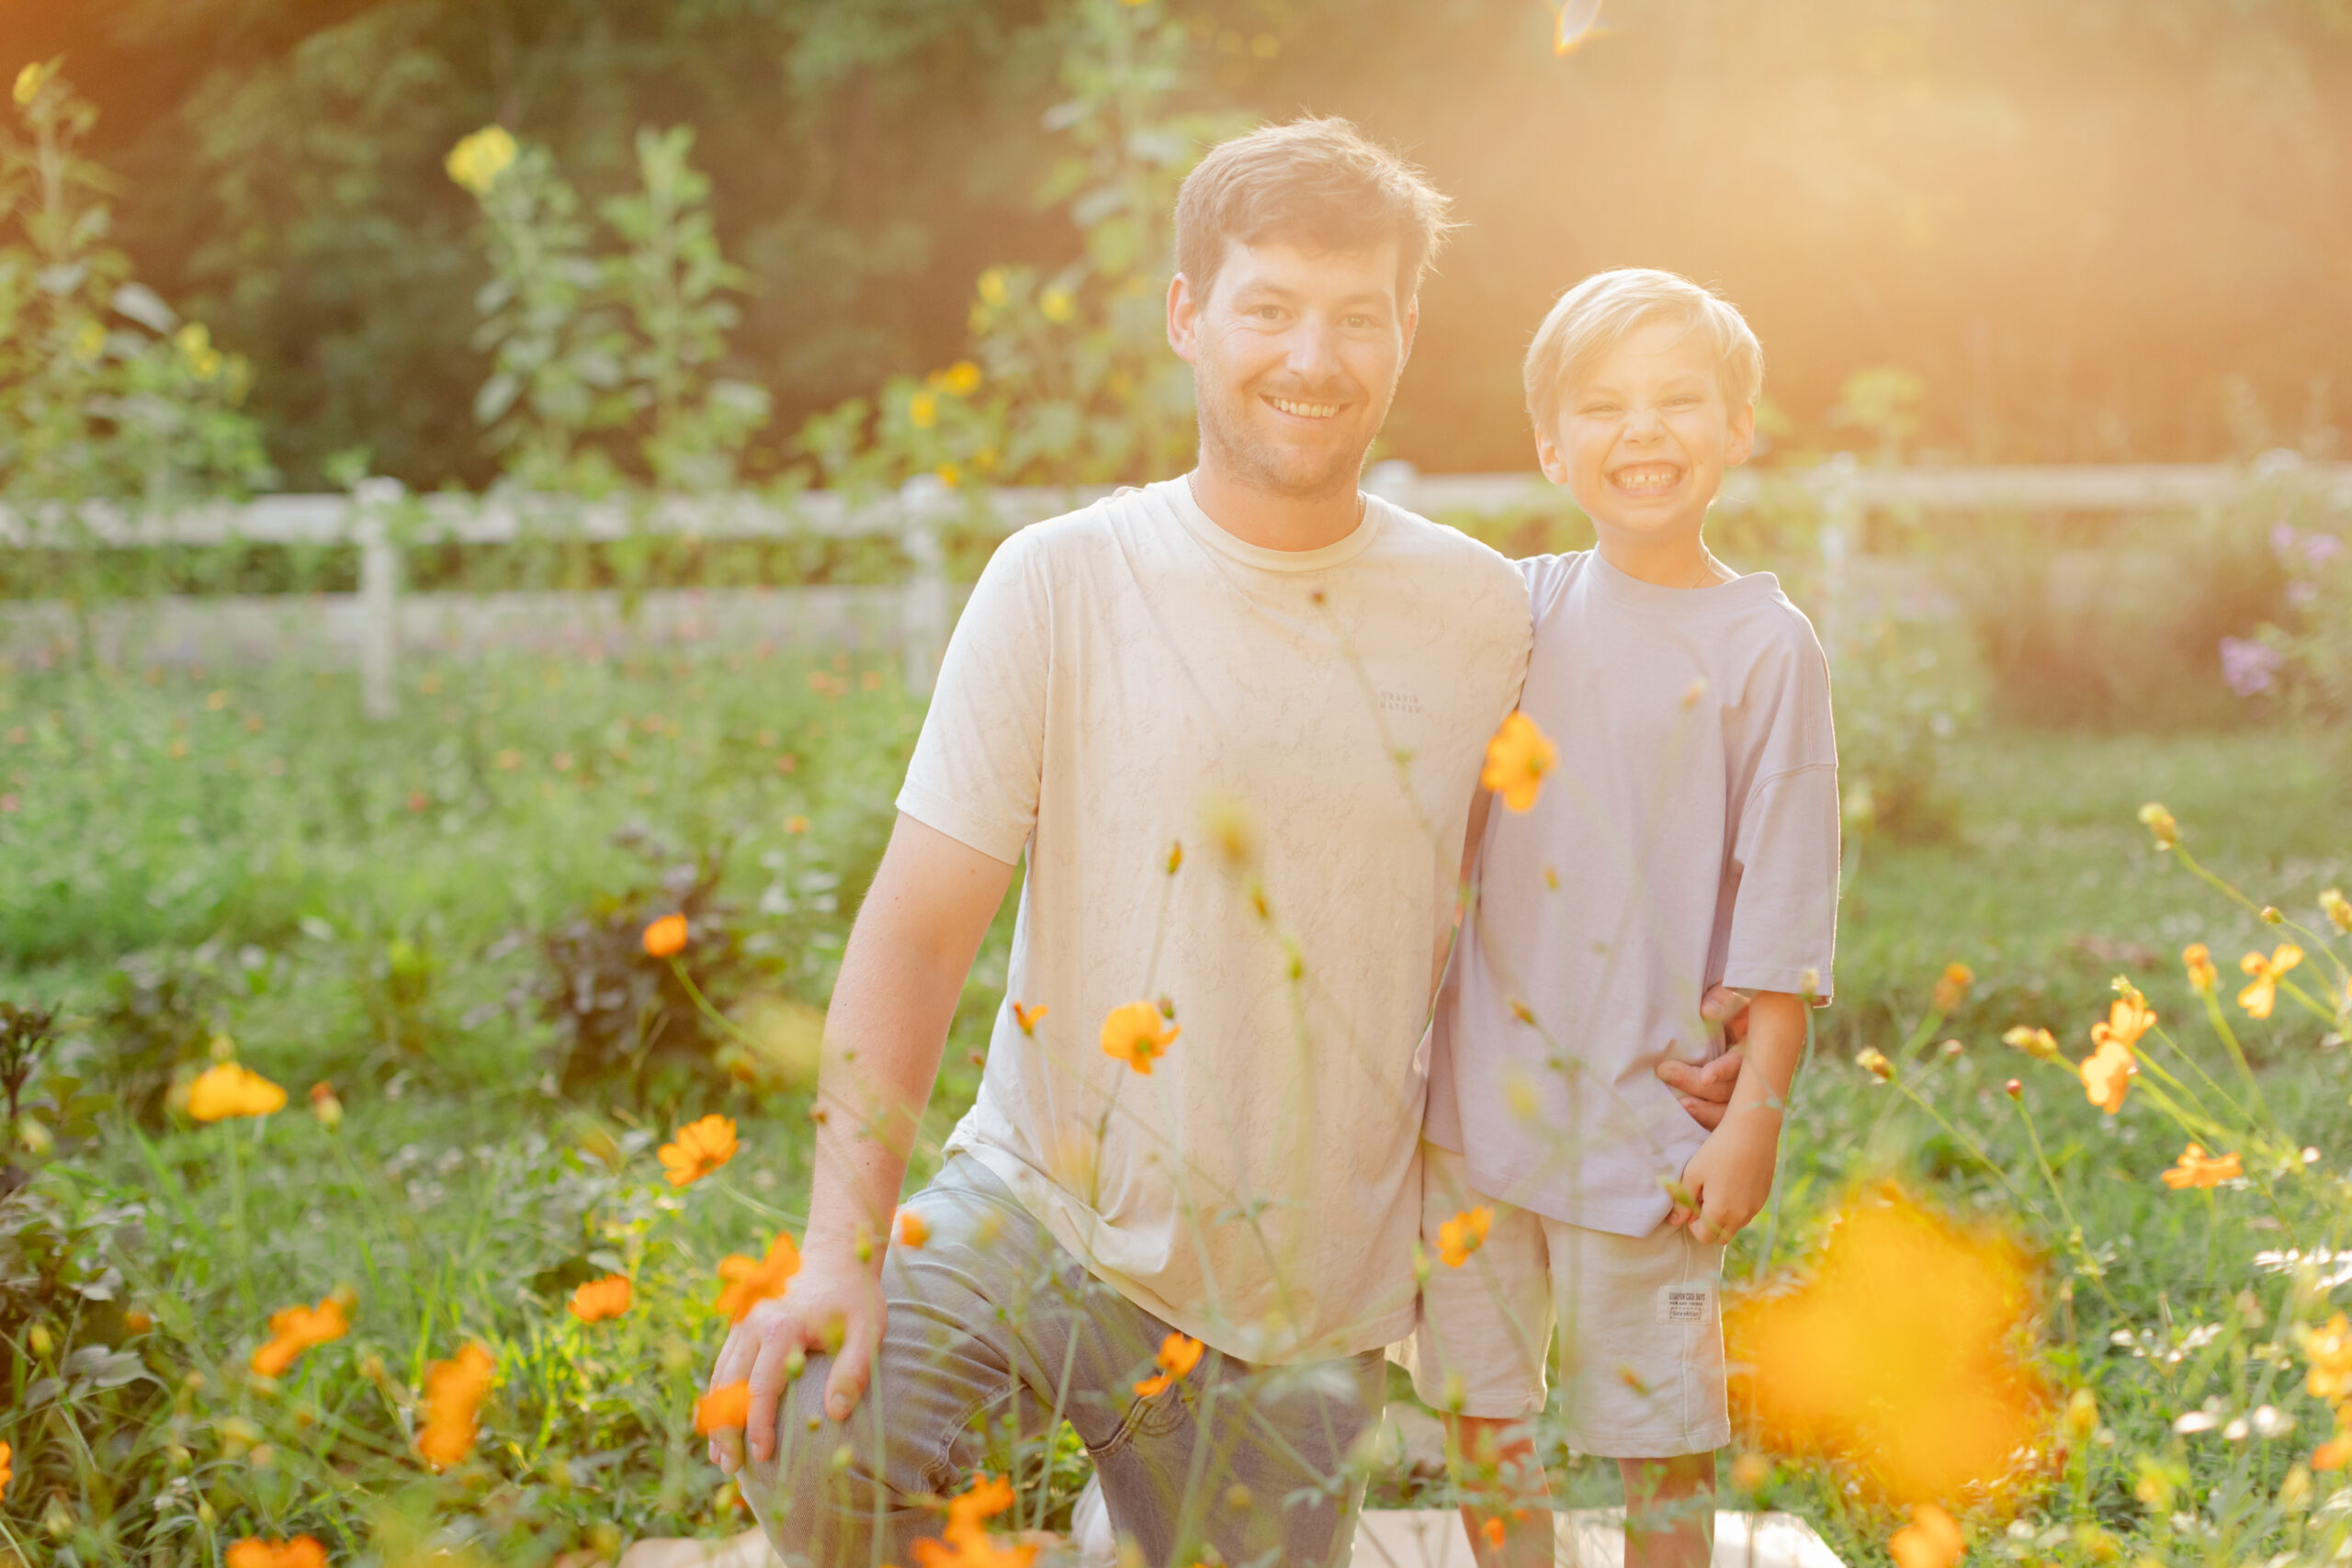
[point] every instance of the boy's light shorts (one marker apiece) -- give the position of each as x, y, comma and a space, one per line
1641, 1328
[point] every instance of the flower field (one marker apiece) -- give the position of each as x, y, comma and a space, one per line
389, 1165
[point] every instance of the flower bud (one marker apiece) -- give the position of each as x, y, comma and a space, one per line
2014, 1090
1872, 1060
2338, 910
2159, 823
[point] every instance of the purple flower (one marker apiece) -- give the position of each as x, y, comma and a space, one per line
2249, 667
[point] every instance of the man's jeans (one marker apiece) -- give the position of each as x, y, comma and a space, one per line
992, 1326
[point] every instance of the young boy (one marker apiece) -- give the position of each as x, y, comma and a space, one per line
1686, 836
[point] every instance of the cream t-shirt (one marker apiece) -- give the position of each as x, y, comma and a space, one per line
1308, 726
1689, 837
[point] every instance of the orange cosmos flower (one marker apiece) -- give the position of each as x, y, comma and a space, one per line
1137, 1034
1177, 1356
2329, 1351
227, 1090
453, 1394
7, 1475
967, 1542
914, 1229
294, 1330
2333, 1454
1460, 1237
302, 1551
2260, 996
1028, 1017
2106, 1075
702, 1147
2336, 907
2128, 1018
1517, 759
1951, 986
2198, 1168
666, 937
727, 1405
1930, 1540
1909, 1351
596, 1300
750, 1281
2198, 959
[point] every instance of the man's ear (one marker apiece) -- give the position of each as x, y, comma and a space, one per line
1742, 444
1548, 458
1183, 318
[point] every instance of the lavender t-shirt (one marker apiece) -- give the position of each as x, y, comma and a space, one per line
1687, 837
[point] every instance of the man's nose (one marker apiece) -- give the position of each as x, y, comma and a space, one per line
1314, 354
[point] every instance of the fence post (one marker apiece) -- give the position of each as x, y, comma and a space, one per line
923, 603
379, 590
1837, 488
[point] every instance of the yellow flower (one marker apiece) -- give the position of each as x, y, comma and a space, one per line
194, 343
2329, 1351
453, 1394
2159, 822
1058, 306
1930, 1540
302, 1551
31, 80
702, 1147
751, 1281
478, 161
1028, 1017
1951, 986
2106, 1075
2128, 1018
961, 379
596, 1300
992, 286
729, 1406
2198, 959
1465, 1233
2337, 909
2038, 1043
294, 1330
922, 411
666, 937
1517, 759
2261, 996
949, 475
89, 342
1872, 1060
2197, 1169
1177, 1356
227, 1090
1137, 1034
967, 1542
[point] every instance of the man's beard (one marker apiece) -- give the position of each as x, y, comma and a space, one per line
1263, 465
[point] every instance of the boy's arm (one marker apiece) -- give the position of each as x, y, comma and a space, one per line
1731, 1175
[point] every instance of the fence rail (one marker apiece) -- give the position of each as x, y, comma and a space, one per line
380, 521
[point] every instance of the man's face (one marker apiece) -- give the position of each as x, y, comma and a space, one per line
1294, 356
1644, 437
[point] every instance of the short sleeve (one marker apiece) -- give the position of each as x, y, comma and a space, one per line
976, 765
1784, 913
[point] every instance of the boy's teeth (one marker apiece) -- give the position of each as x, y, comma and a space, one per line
1641, 477
1304, 411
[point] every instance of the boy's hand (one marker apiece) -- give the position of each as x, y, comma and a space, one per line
1731, 1175
1705, 1090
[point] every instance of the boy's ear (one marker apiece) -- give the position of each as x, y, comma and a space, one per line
1742, 444
1548, 458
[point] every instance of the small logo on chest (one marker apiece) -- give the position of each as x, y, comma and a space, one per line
1400, 702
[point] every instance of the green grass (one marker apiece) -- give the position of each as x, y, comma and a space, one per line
460, 1198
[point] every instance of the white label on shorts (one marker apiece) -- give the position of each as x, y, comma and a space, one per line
1690, 1302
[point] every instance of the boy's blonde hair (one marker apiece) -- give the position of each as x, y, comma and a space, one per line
1600, 312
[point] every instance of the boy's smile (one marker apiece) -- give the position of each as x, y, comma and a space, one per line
1643, 440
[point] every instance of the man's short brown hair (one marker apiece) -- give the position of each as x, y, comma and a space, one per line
1317, 182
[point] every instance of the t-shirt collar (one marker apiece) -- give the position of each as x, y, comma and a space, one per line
1178, 495
1628, 589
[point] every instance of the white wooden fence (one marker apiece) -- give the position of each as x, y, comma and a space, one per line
375, 625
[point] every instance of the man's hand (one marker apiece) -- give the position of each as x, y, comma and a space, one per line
835, 1307
1705, 1090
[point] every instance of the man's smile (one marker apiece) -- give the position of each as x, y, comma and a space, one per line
1300, 408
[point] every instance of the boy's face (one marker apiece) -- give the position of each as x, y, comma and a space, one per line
1642, 439
1294, 355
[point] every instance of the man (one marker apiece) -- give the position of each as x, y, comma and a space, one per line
1235, 721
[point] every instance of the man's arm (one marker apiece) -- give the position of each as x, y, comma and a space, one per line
901, 976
